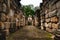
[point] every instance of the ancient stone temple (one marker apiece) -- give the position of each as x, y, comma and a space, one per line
11, 15
50, 15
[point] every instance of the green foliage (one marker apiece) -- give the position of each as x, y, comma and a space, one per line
28, 10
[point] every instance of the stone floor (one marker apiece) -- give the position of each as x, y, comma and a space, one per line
30, 33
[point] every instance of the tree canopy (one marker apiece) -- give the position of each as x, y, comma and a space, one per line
28, 10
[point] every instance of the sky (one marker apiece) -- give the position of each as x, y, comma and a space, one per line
34, 2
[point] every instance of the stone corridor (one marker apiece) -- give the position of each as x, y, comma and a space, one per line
30, 33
